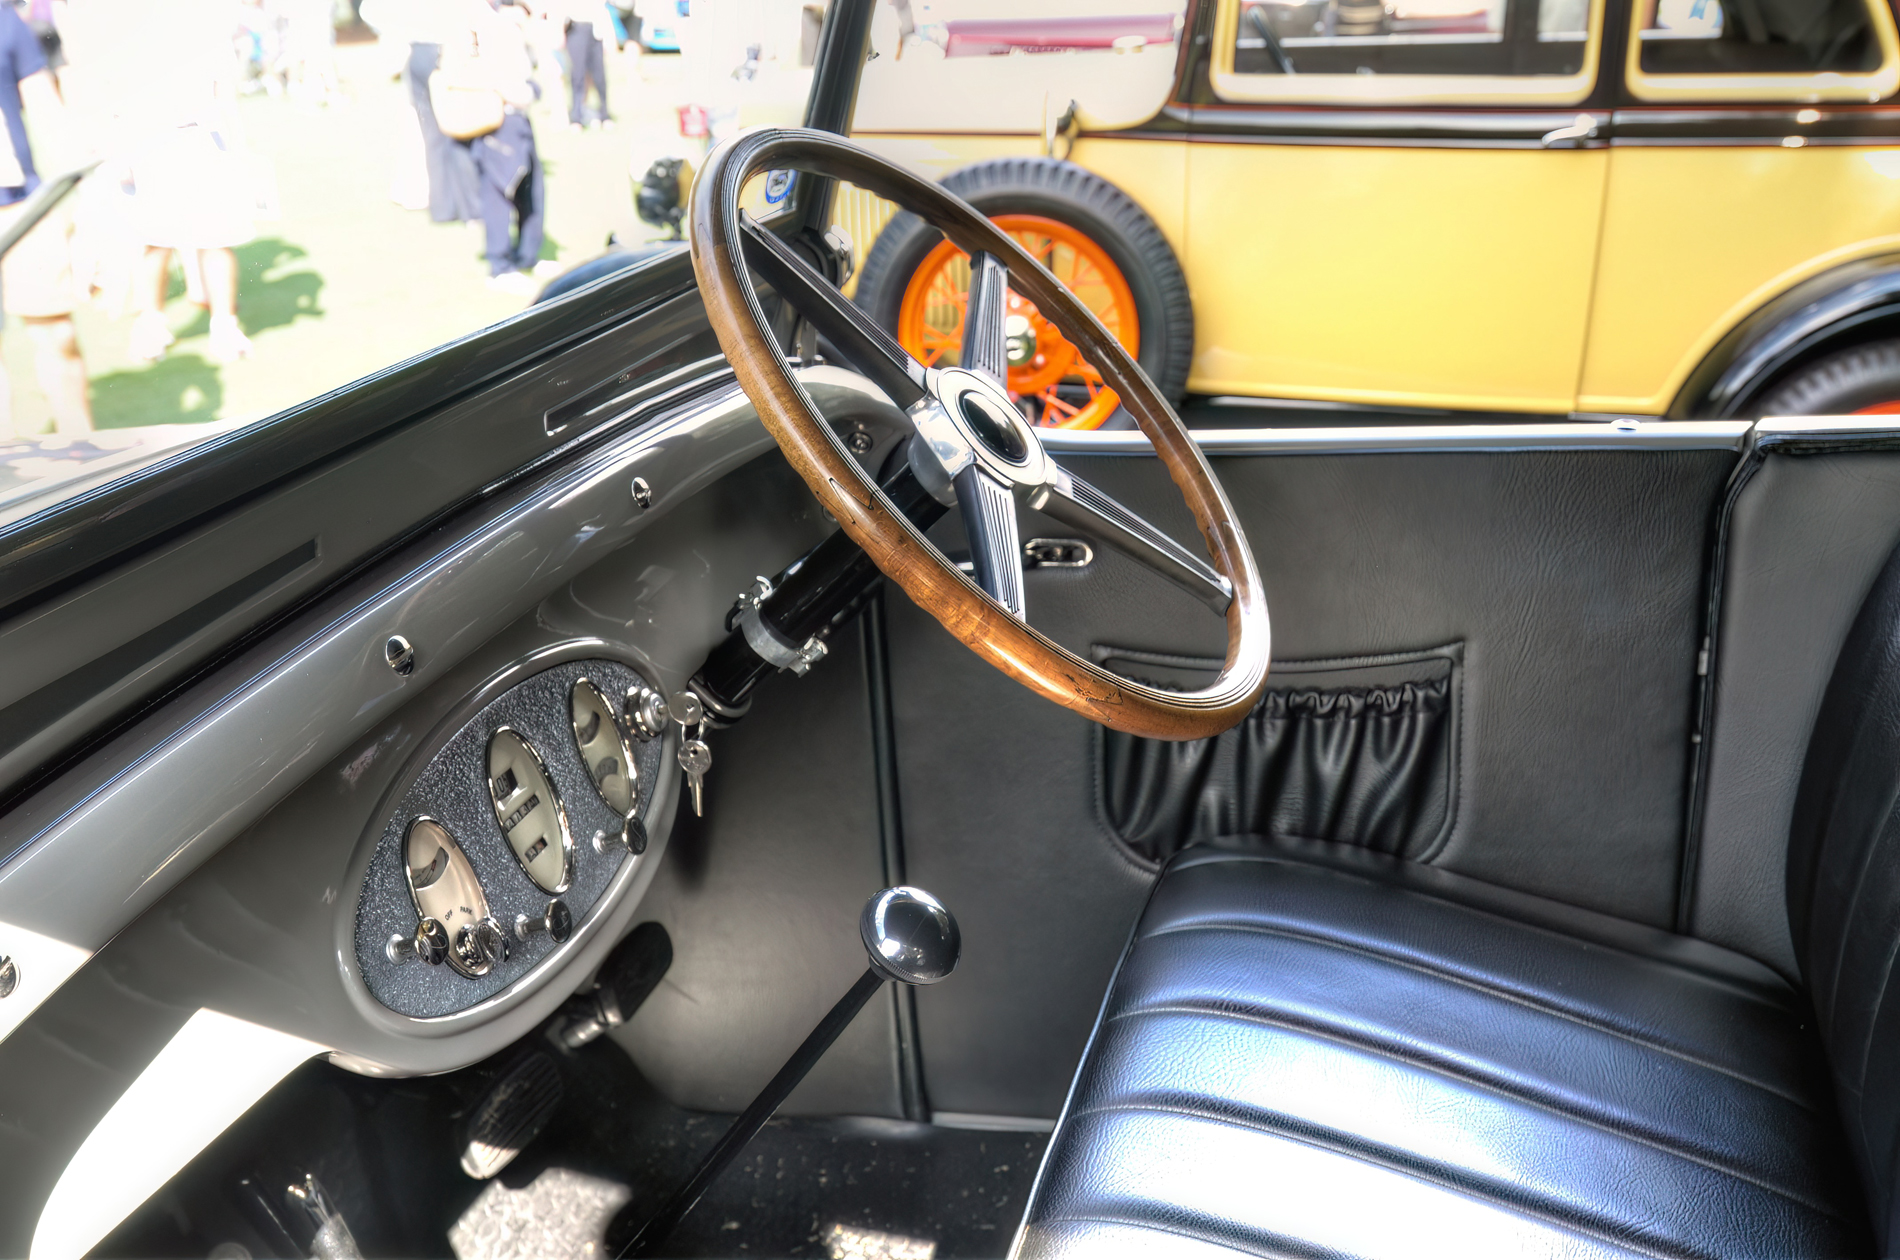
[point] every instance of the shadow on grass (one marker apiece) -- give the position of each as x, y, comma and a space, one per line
262, 301
272, 303
181, 389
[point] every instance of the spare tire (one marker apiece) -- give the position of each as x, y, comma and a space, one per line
1096, 240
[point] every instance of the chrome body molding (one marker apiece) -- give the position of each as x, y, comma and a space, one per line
100, 845
1631, 434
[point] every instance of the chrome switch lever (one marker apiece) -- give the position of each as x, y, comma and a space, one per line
430, 944
557, 921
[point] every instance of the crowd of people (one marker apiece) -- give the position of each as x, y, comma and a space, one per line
144, 95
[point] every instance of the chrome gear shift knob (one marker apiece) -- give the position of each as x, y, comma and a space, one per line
910, 936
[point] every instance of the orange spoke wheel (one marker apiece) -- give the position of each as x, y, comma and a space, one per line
1048, 378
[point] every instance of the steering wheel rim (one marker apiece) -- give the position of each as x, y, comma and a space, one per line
965, 448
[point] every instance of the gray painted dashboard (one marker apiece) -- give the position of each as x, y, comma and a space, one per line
101, 846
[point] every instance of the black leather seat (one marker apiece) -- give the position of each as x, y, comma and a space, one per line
1312, 1050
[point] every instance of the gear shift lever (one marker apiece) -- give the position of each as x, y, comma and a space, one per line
911, 939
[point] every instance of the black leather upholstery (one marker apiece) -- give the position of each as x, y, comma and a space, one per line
1844, 888
1310, 1050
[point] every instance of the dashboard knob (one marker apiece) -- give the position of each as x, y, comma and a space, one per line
557, 921
910, 936
481, 946
430, 944
631, 838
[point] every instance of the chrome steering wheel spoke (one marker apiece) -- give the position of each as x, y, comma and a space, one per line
985, 344
996, 549
858, 338
1078, 504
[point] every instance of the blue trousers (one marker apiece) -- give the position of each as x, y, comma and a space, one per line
586, 62
513, 190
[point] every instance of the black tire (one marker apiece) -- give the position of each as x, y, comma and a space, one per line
1088, 203
1840, 383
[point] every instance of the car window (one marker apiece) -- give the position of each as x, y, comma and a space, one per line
1407, 37
1391, 51
1759, 37
286, 196
1763, 49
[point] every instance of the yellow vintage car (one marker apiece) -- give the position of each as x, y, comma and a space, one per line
1300, 207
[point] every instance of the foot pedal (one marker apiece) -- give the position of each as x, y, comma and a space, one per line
512, 1115
626, 979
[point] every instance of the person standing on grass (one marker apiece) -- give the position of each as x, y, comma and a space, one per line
491, 52
454, 189
165, 79
36, 278
586, 59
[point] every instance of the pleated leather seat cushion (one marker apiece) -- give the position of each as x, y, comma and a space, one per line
1311, 1050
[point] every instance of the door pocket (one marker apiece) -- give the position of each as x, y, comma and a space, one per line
1360, 750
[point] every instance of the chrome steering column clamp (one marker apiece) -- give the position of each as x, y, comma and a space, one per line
774, 648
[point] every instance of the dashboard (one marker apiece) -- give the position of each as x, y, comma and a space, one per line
402, 860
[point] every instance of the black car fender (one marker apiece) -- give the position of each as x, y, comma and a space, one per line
1853, 302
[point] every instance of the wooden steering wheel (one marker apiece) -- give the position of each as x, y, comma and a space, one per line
971, 445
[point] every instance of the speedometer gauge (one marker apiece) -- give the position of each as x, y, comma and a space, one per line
528, 810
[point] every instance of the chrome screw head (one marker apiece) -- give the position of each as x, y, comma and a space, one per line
9, 976
642, 493
401, 655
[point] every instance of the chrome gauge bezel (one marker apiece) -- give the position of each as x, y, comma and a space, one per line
621, 738
479, 912
554, 798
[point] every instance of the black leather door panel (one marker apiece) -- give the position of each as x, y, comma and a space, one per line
1574, 580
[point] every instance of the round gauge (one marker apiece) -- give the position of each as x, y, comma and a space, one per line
528, 809
445, 889
604, 748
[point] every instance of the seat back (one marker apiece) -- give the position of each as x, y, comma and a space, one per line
1844, 888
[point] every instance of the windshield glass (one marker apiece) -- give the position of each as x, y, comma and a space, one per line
284, 196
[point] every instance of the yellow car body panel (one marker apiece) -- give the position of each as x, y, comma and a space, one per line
1415, 277
1695, 240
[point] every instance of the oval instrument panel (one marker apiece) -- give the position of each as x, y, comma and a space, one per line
531, 793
